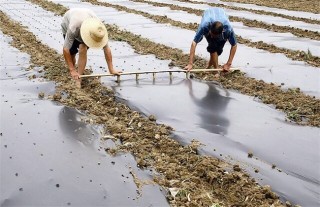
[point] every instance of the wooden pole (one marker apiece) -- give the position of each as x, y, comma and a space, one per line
154, 72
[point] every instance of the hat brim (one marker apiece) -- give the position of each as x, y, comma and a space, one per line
86, 26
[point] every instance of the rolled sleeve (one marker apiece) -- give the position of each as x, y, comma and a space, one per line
232, 39
199, 35
69, 39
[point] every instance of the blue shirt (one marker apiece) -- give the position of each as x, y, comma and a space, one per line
212, 15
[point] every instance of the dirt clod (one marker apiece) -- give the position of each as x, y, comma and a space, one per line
152, 118
41, 95
236, 168
56, 96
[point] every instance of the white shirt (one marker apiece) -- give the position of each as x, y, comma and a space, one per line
71, 24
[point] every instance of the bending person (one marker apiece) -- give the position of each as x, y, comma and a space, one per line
82, 30
216, 28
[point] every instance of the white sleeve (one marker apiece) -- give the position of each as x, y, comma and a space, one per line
69, 39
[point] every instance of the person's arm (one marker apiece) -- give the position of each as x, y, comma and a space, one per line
197, 38
233, 50
67, 56
233, 41
192, 53
108, 57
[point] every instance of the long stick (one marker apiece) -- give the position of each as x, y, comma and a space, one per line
152, 71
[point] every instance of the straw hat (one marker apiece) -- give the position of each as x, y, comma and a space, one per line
94, 33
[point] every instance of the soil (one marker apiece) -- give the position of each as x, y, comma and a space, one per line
311, 21
300, 108
199, 180
293, 54
250, 23
190, 179
295, 5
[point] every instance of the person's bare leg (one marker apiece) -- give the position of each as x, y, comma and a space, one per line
213, 61
214, 58
74, 59
82, 61
209, 64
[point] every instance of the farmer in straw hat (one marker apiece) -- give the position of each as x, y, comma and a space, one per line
83, 30
216, 28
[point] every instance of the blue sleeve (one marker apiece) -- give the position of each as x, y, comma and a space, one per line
199, 35
232, 39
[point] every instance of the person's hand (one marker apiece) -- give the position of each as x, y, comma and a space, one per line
115, 72
188, 67
74, 74
226, 67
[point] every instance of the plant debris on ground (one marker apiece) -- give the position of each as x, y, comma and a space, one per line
191, 179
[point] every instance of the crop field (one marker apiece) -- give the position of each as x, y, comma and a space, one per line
165, 137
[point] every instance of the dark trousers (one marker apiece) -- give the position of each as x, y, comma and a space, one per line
75, 46
215, 44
